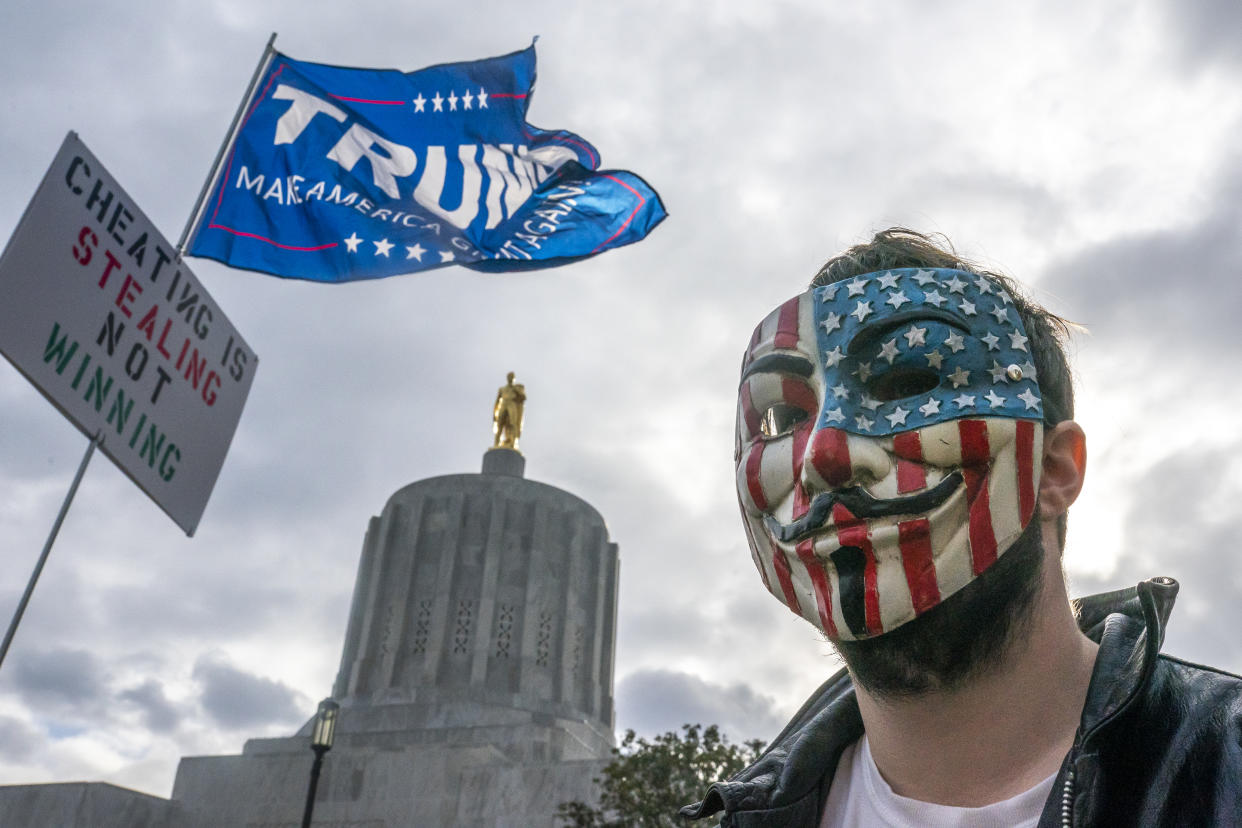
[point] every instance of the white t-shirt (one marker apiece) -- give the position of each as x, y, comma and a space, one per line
860, 798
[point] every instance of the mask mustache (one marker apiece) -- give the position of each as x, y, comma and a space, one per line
861, 504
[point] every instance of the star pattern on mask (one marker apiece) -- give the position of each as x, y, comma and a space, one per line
897, 299
898, 417
888, 351
834, 416
975, 356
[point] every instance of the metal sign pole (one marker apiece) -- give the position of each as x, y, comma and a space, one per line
47, 547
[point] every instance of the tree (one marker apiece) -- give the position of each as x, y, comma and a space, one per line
647, 782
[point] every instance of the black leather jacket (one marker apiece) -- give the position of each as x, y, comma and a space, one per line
1159, 742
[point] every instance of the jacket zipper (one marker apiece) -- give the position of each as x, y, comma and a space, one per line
1067, 798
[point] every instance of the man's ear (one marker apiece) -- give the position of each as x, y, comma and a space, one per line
1064, 468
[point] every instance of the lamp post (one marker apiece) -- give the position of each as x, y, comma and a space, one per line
321, 743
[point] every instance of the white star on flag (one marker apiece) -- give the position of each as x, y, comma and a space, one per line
967, 308
934, 359
915, 336
834, 416
864, 371
1017, 341
832, 322
934, 298
452, 99
829, 292
415, 251
998, 373
382, 247
438, 103
352, 242
1000, 313
446, 256
857, 286
992, 340
955, 342
1030, 399
955, 285
995, 399
833, 358
841, 392
467, 98
932, 406
964, 400
983, 284
924, 276
959, 377
862, 311
482, 98
420, 103
863, 422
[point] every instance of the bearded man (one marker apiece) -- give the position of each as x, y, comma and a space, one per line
906, 456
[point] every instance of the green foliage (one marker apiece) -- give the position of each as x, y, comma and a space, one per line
647, 782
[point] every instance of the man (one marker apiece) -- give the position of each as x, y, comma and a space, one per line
905, 460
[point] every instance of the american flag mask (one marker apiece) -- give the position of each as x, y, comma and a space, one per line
889, 443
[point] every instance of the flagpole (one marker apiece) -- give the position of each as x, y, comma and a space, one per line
229, 138
47, 547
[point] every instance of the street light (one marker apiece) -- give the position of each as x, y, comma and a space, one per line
321, 742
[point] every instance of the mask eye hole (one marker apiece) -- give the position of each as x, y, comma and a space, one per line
781, 419
901, 383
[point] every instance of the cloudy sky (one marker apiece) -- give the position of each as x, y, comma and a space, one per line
1088, 149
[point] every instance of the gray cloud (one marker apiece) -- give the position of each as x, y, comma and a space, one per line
59, 678
1206, 29
158, 712
1181, 522
656, 701
18, 740
236, 699
1167, 291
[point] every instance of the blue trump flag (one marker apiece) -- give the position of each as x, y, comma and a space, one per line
337, 174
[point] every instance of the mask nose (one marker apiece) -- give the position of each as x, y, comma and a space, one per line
835, 459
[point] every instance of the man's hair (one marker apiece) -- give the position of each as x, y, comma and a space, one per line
901, 247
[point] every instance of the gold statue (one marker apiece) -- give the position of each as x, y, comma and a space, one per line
507, 414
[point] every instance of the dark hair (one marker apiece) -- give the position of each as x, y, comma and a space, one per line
901, 247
